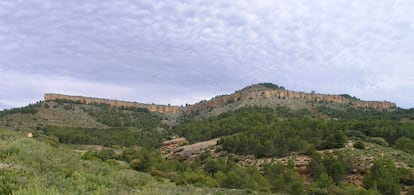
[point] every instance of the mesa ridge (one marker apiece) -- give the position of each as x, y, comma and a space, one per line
114, 103
225, 99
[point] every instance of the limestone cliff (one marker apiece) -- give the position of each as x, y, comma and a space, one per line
115, 103
226, 99
286, 94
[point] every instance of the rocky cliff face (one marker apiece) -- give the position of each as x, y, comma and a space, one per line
226, 99
286, 94
115, 103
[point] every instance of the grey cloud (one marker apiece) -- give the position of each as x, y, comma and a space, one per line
207, 47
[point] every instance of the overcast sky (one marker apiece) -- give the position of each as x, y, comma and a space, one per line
179, 52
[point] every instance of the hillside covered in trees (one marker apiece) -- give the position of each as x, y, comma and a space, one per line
334, 137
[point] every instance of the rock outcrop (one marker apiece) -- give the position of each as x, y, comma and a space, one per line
168, 147
286, 94
115, 103
226, 99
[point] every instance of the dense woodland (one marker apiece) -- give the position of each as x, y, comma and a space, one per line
139, 118
107, 137
351, 113
233, 122
268, 132
264, 132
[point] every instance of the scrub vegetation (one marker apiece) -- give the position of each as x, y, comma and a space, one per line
119, 152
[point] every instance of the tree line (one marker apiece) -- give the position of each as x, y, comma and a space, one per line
107, 137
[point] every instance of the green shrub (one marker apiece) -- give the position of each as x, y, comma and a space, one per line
406, 176
327, 163
359, 145
283, 179
378, 140
6, 183
104, 154
89, 156
135, 164
198, 179
53, 140
30, 109
383, 176
244, 178
406, 144
357, 135
9, 150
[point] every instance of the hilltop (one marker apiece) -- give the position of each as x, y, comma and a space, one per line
274, 96
262, 94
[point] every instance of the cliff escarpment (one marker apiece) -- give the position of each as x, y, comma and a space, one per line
114, 103
286, 94
279, 93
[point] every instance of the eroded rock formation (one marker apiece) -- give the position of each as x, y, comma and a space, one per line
115, 103
285, 94
226, 99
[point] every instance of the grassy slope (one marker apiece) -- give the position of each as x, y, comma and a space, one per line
29, 166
